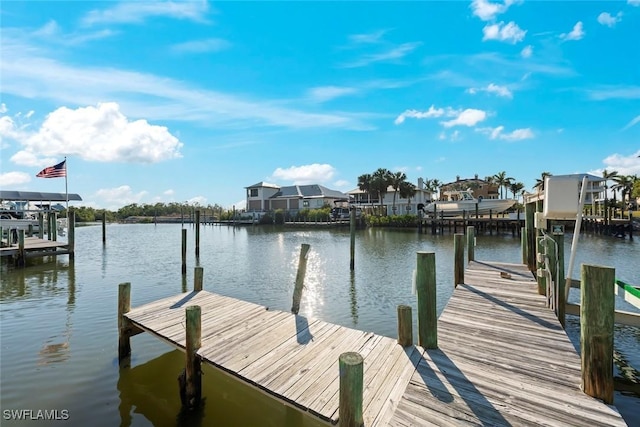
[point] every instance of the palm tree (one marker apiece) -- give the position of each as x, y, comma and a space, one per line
624, 183
516, 188
432, 185
395, 180
540, 181
502, 180
407, 191
380, 183
364, 184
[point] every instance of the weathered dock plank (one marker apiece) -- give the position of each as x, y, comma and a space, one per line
503, 359
290, 357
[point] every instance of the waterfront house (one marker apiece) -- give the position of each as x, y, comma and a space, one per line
263, 197
369, 201
480, 187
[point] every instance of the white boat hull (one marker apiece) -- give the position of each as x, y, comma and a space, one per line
455, 208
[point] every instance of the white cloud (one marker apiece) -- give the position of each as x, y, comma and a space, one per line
633, 2
100, 133
493, 88
27, 158
632, 123
368, 38
29, 114
342, 184
327, 93
119, 196
455, 135
306, 174
430, 113
576, 34
442, 136
28, 74
497, 133
239, 205
197, 201
390, 55
169, 192
3, 108
527, 51
614, 92
138, 12
487, 11
605, 18
201, 46
624, 165
9, 179
509, 33
468, 117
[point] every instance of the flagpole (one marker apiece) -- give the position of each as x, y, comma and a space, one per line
66, 191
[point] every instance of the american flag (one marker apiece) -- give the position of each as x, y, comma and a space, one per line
56, 171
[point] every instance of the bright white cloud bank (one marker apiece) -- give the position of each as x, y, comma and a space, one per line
101, 133
468, 117
487, 10
624, 165
119, 196
509, 33
11, 179
306, 174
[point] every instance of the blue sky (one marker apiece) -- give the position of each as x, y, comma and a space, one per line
193, 101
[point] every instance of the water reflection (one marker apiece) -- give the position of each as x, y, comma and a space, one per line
354, 299
38, 280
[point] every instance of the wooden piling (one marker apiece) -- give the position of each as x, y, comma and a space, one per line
542, 250
124, 306
352, 232
302, 269
198, 278
490, 221
20, 261
458, 261
559, 278
528, 221
524, 245
30, 230
198, 233
351, 390
426, 291
184, 251
40, 225
71, 234
104, 227
471, 243
597, 305
405, 326
193, 371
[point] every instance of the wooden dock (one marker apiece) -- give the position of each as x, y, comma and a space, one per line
503, 358
35, 247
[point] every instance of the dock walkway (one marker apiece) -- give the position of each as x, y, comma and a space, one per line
503, 358
34, 247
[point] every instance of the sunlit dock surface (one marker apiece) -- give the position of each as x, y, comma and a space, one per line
503, 358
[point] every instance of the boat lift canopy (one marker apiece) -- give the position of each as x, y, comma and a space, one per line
36, 196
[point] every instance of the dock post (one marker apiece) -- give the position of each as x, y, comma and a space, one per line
471, 243
352, 232
20, 261
71, 234
302, 269
405, 326
351, 390
198, 233
124, 306
426, 291
184, 251
531, 242
40, 225
193, 372
524, 246
458, 262
30, 230
596, 331
54, 224
104, 227
542, 250
559, 278
198, 278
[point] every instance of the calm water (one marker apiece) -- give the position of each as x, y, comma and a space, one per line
58, 319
